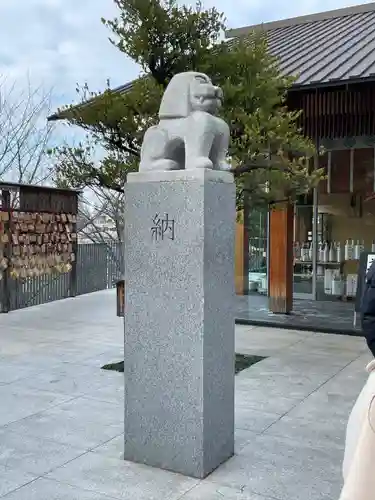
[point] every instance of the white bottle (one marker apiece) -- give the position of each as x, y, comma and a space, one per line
310, 252
357, 250
373, 246
325, 253
338, 252
321, 252
328, 281
304, 253
362, 246
348, 250
301, 252
331, 255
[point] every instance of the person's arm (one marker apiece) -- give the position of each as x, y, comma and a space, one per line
360, 481
368, 309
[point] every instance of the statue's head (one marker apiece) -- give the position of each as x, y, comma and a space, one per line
188, 92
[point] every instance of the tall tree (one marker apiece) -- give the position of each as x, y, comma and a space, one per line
268, 153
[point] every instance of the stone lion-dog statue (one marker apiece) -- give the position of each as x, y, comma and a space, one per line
189, 135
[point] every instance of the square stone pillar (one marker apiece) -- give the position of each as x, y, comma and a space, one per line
179, 320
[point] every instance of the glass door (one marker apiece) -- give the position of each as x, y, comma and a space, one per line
304, 249
257, 231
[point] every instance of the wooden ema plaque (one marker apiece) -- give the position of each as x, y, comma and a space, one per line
39, 243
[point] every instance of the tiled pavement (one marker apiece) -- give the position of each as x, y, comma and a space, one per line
316, 315
61, 416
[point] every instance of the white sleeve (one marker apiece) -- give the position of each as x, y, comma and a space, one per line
360, 480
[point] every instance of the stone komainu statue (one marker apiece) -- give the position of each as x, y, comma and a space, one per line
189, 135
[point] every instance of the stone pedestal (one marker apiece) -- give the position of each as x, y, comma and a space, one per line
179, 320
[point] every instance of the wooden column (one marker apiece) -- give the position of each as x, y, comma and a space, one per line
239, 268
281, 259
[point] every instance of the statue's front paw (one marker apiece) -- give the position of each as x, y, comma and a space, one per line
166, 164
223, 166
198, 162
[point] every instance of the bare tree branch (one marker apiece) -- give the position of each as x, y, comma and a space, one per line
101, 216
24, 133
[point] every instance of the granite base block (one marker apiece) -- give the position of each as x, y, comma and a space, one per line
179, 322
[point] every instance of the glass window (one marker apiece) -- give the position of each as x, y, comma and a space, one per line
256, 230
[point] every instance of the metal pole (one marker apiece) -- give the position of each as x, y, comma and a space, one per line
5, 295
315, 242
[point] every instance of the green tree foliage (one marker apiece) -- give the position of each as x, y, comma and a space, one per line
268, 154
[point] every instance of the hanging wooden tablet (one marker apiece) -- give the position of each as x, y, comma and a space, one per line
14, 273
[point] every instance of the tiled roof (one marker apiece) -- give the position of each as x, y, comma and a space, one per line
328, 47
321, 48
61, 115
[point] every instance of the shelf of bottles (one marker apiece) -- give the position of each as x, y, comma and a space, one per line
331, 260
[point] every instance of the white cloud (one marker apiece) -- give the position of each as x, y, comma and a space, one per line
62, 42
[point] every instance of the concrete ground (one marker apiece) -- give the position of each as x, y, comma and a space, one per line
61, 416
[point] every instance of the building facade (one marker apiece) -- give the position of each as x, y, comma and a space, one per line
311, 250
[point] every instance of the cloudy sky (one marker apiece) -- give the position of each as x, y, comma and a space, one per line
61, 42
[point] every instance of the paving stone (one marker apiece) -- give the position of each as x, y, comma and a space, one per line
210, 491
82, 423
296, 386
325, 404
261, 401
254, 342
320, 433
122, 480
47, 489
282, 468
33, 455
242, 438
12, 371
113, 448
11, 479
78, 380
18, 402
248, 418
